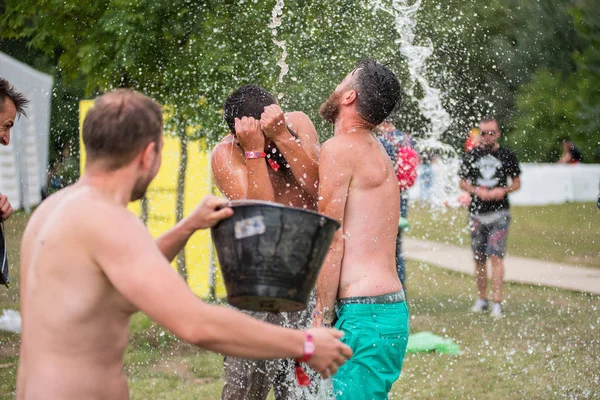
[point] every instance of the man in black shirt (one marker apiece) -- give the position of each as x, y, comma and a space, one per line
485, 173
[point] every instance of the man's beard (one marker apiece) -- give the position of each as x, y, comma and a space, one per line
330, 109
140, 187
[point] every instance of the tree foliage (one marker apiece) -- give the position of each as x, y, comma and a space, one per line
532, 64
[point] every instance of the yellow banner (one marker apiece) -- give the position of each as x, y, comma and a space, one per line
162, 195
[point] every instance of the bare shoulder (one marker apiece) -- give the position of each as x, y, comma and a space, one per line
339, 145
297, 117
338, 151
80, 214
224, 153
301, 123
223, 147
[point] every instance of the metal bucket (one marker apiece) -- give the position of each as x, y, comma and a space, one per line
271, 255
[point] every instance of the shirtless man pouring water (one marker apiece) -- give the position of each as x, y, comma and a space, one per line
269, 156
358, 288
87, 264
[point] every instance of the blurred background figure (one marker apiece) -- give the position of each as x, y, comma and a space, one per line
571, 153
399, 147
473, 140
426, 176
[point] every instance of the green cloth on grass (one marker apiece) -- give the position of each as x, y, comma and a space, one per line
423, 342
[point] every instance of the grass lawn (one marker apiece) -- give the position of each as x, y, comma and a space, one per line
566, 233
547, 346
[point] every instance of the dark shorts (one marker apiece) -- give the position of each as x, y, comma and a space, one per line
489, 233
253, 379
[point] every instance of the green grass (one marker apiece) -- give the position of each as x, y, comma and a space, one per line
547, 347
565, 233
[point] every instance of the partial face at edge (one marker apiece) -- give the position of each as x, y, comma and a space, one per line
331, 108
8, 116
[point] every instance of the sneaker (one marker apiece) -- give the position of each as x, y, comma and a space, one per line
481, 305
497, 311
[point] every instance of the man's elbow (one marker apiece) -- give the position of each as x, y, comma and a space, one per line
202, 335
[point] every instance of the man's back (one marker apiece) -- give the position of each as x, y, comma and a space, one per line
371, 216
78, 319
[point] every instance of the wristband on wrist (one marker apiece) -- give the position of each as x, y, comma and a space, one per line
255, 154
309, 350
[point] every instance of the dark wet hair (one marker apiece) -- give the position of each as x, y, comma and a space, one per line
378, 91
119, 125
247, 101
7, 90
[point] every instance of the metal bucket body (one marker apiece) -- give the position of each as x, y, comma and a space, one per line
271, 255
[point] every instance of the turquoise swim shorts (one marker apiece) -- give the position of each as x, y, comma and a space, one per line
376, 328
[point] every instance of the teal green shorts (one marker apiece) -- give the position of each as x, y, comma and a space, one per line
377, 334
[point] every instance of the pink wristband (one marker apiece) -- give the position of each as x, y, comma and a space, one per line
309, 348
256, 154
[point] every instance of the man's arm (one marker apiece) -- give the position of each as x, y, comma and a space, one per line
480, 192
238, 179
5, 208
134, 265
467, 187
466, 171
334, 177
515, 184
303, 156
205, 215
252, 139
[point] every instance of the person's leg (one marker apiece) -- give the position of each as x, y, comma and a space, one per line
284, 378
497, 277
404, 205
481, 275
496, 249
400, 266
247, 379
478, 246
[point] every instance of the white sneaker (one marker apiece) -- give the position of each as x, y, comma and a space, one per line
497, 311
481, 305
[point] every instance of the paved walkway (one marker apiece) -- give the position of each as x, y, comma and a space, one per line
516, 269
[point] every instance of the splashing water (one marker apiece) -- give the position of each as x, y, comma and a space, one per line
276, 14
445, 188
416, 56
274, 24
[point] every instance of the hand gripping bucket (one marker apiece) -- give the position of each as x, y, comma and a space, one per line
271, 255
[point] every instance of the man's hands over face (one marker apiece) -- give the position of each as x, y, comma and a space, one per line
249, 134
272, 122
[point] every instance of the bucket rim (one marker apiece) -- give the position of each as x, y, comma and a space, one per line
247, 202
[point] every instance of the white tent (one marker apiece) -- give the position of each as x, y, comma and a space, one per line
24, 163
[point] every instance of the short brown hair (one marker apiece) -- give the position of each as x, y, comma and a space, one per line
8, 91
119, 125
